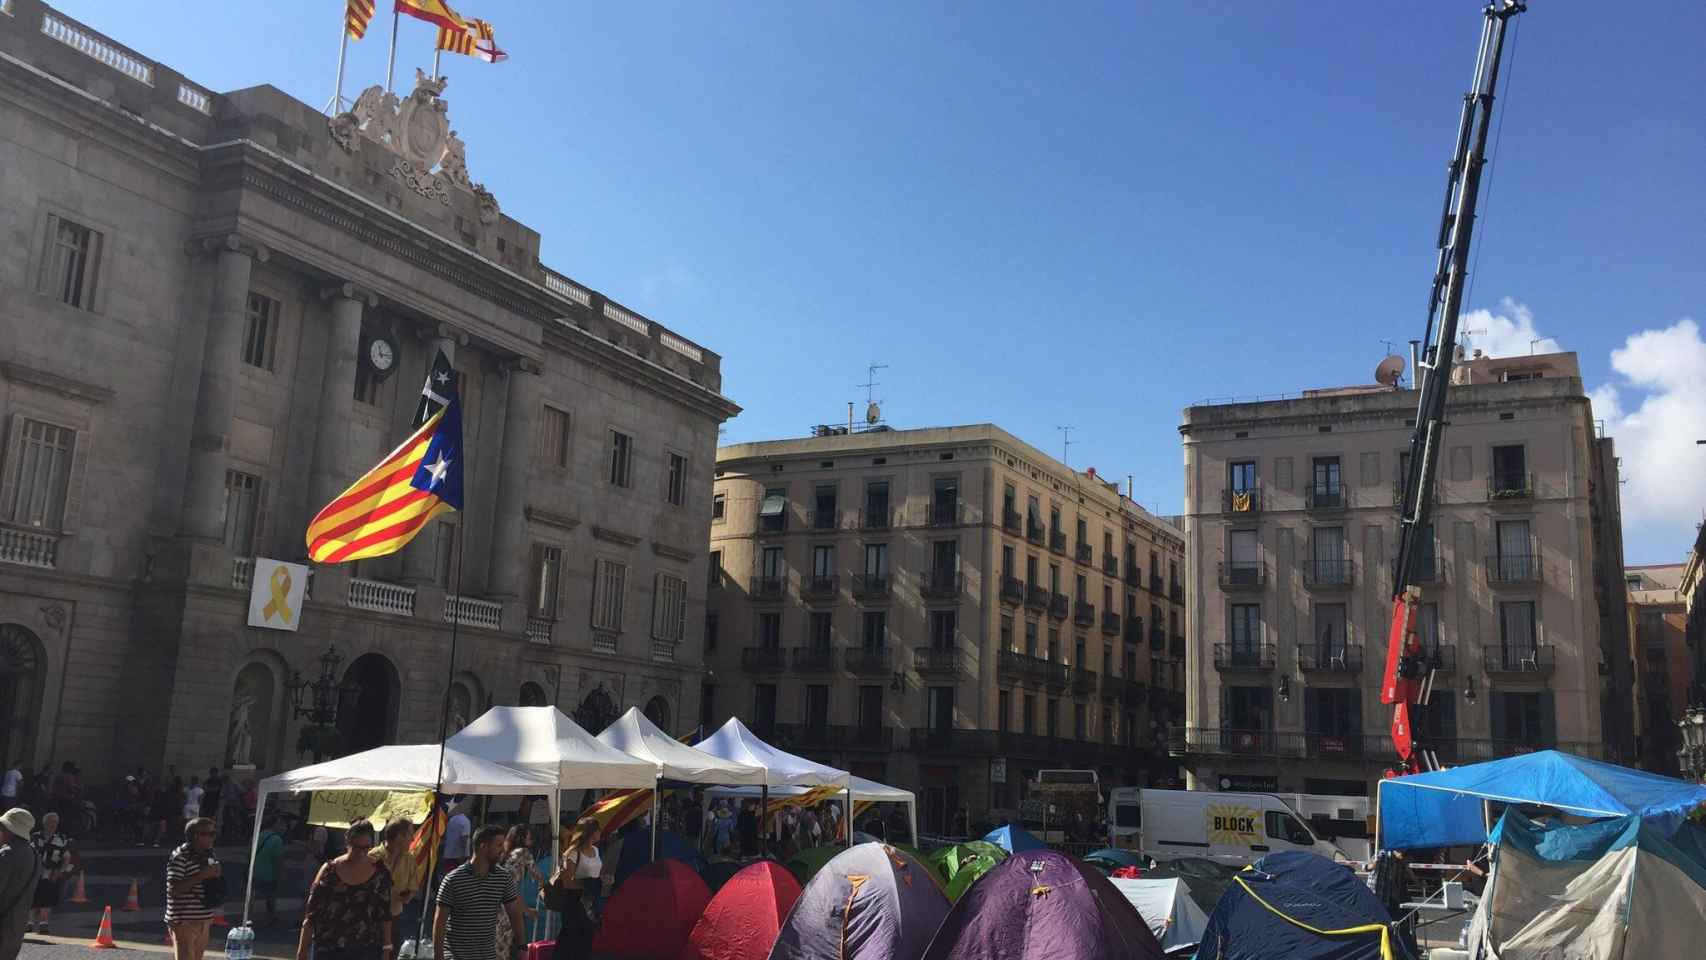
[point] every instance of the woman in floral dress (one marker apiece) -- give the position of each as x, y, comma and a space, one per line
348, 914
518, 860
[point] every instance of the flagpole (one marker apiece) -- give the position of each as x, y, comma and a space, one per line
338, 94
444, 715
435, 55
391, 59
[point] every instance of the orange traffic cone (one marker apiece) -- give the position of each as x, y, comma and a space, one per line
133, 899
79, 895
104, 936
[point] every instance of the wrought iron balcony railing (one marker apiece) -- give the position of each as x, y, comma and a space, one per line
1538, 659
1110, 623
934, 661
1330, 657
820, 588
1504, 568
1082, 553
1036, 595
868, 586
1510, 486
763, 659
1236, 575
942, 585
943, 513
1059, 607
814, 658
1244, 658
1244, 502
1057, 541
1012, 590
1084, 614
1325, 497
868, 661
768, 589
1011, 520
1327, 574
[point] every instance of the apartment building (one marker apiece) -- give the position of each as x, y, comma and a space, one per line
1658, 629
216, 311
948, 609
1291, 520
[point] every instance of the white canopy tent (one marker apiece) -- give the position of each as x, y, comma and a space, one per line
733, 741
543, 740
638, 737
401, 767
864, 789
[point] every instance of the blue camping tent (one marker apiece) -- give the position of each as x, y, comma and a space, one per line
1302, 907
1443, 808
1013, 839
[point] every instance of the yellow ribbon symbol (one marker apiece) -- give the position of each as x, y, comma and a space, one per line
279, 583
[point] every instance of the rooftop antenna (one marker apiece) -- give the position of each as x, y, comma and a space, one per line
1531, 344
873, 411
1066, 443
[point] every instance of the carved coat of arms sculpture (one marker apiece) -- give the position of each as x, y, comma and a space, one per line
430, 158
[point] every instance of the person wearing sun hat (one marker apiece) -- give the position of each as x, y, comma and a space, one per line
18, 874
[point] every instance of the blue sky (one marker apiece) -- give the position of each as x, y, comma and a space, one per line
1119, 209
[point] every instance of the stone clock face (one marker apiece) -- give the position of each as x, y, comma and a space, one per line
380, 355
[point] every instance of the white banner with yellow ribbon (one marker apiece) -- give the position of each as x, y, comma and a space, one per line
275, 595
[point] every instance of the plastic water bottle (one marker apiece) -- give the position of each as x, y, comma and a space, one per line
246, 941
234, 943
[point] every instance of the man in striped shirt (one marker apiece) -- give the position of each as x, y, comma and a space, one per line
465, 926
187, 912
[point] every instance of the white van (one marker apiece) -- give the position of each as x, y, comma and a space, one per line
1233, 828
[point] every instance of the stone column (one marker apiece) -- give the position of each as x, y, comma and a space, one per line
420, 556
508, 570
216, 396
332, 471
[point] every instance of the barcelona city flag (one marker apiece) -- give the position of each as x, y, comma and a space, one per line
421, 479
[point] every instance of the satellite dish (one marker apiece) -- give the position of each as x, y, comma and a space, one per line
873, 413
1390, 371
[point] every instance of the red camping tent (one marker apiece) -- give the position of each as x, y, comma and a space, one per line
746, 914
651, 914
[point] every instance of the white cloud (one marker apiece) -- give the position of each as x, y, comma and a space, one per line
1508, 333
1655, 412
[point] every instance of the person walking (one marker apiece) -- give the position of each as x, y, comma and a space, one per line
19, 871
533, 885
518, 863
192, 800
168, 807
578, 864
53, 851
269, 867
464, 926
454, 852
404, 867
195, 888
348, 913
213, 789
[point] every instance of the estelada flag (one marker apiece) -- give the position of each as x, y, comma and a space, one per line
421, 479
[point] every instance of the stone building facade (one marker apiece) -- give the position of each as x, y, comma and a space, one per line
947, 609
1658, 630
1292, 524
216, 310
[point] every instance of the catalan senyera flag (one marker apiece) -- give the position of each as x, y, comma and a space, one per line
357, 14
421, 479
474, 40
620, 808
432, 11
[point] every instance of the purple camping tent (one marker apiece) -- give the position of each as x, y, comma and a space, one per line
1043, 905
870, 902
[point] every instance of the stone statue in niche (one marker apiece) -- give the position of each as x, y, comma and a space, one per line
240, 736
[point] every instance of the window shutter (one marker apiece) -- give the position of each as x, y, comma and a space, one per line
10, 464
45, 271
1312, 712
1548, 719
680, 611
660, 601
1355, 726
1496, 704
536, 599
263, 489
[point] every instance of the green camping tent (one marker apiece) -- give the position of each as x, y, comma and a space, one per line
959, 865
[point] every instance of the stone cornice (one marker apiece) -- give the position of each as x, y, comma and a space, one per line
549, 519
56, 383
673, 552
614, 536
571, 339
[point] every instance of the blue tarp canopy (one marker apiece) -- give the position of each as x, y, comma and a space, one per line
1014, 839
1444, 808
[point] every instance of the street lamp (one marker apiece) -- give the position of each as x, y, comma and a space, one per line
324, 697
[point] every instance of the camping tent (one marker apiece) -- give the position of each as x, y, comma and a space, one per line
1603, 890
1110, 858
960, 864
742, 920
651, 916
1445, 807
635, 735
637, 852
1013, 839
1043, 905
805, 864
1299, 906
863, 789
1167, 907
869, 903
399, 767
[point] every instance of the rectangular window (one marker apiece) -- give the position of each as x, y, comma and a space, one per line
714, 570
1330, 631
1082, 589
773, 510
945, 500
713, 630
1006, 632
1054, 578
1081, 531
71, 263
1334, 712
1510, 468
1327, 479
1007, 561
870, 716
554, 439
764, 707
621, 459
261, 332
41, 477
1244, 567
677, 489
1327, 551
1249, 708
939, 704
1054, 645
876, 630
819, 629
1246, 623
876, 560
770, 564
824, 507
1003, 709
1516, 558
669, 609
1427, 626
1030, 638
877, 503
719, 507
770, 630
945, 557
607, 592
1527, 719
1028, 718
1516, 628
817, 707
242, 502
547, 574
1009, 499
823, 562
1053, 717
1080, 722
943, 627
1241, 476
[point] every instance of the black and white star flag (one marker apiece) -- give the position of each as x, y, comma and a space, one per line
436, 388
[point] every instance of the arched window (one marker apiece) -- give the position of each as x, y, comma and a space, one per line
22, 672
367, 718
532, 695
657, 711
596, 711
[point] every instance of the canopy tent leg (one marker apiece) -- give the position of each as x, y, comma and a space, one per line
912, 819
656, 790
847, 807
254, 848
763, 805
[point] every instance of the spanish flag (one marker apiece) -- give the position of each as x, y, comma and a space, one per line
432, 11
475, 40
421, 479
357, 14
